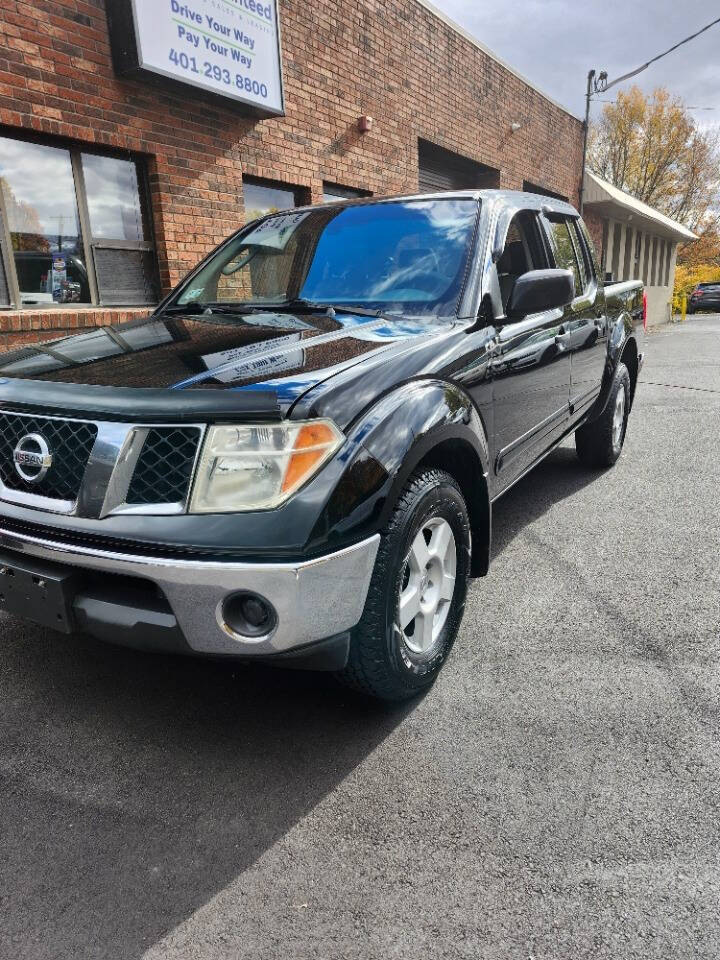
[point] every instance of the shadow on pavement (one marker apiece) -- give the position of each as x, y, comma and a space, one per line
135, 787
559, 476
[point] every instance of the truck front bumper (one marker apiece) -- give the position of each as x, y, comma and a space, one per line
175, 603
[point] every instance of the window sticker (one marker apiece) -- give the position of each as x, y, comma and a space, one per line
276, 231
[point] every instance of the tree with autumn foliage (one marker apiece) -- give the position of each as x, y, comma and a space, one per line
25, 227
651, 147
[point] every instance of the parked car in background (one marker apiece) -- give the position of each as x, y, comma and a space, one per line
295, 459
705, 296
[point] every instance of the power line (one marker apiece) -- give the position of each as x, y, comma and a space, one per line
634, 73
685, 105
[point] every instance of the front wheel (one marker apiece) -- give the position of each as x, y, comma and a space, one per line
417, 592
600, 442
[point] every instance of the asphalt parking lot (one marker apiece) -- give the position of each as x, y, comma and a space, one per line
556, 795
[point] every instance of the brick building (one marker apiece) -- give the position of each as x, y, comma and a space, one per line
114, 185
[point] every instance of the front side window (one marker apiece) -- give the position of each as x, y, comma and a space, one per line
523, 251
404, 256
76, 227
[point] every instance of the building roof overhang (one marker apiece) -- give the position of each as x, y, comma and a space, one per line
609, 201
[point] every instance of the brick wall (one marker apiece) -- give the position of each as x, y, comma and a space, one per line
394, 60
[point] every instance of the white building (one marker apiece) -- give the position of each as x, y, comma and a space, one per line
634, 242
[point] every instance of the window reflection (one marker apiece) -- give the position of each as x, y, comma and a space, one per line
332, 192
41, 208
113, 198
565, 251
261, 199
85, 348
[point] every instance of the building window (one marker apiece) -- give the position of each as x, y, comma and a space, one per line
646, 258
627, 260
75, 228
661, 262
604, 249
530, 187
653, 262
333, 192
266, 196
440, 169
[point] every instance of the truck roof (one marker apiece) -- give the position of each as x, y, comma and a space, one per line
513, 198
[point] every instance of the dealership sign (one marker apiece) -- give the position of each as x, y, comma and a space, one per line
229, 47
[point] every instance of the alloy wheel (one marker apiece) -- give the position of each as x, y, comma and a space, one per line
618, 420
427, 586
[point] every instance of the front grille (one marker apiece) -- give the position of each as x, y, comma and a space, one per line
165, 466
70, 443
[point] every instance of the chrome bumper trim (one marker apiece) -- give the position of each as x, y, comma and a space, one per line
314, 599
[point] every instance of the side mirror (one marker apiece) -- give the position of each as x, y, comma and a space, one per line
540, 290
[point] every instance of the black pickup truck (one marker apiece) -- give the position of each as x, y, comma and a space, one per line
295, 458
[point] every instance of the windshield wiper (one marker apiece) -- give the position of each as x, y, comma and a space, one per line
300, 303
284, 306
198, 308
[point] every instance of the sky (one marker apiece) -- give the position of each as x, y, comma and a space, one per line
554, 43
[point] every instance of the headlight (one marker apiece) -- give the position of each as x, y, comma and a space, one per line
258, 467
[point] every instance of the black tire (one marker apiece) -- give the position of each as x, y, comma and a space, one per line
596, 443
381, 664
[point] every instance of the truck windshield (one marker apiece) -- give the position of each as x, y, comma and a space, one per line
402, 256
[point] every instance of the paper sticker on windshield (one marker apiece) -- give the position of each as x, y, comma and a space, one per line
276, 231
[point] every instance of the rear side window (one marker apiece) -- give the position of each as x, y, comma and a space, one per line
565, 253
584, 252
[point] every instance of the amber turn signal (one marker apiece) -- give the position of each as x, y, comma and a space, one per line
311, 447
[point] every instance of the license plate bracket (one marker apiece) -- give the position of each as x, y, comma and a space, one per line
37, 591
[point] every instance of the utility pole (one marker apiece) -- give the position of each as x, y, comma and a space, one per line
586, 130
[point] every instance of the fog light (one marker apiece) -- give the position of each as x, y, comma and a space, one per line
248, 616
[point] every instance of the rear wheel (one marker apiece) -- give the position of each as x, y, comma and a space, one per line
600, 442
417, 593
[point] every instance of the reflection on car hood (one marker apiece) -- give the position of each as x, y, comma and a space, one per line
286, 352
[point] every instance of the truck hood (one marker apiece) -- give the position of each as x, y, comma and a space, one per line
286, 354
